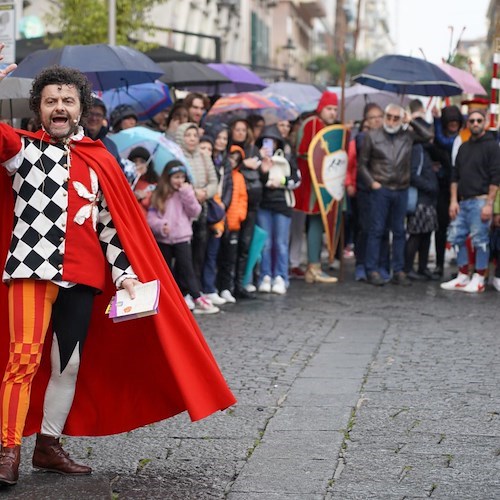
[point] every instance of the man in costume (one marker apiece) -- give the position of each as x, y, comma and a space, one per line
305, 195
66, 208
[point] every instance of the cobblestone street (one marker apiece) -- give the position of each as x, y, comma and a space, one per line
344, 392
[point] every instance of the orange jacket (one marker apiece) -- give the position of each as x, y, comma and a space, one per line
237, 211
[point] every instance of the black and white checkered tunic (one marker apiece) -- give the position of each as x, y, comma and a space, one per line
40, 175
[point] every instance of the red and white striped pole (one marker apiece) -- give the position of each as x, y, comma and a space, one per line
495, 86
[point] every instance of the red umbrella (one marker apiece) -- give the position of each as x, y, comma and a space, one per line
240, 105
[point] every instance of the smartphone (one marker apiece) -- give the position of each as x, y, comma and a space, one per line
268, 145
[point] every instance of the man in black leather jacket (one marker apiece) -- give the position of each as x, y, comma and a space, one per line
385, 165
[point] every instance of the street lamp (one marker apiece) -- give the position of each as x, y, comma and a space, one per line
289, 47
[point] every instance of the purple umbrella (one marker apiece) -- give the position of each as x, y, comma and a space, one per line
242, 80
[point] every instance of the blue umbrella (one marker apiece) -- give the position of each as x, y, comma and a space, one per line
147, 99
304, 95
408, 75
106, 66
162, 149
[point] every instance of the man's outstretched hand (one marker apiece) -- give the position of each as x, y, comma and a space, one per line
9, 69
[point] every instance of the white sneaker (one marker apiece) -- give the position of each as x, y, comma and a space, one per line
496, 283
265, 284
250, 288
458, 283
203, 306
228, 296
476, 284
189, 301
279, 286
215, 299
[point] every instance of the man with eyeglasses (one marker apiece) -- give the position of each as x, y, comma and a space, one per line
474, 184
384, 163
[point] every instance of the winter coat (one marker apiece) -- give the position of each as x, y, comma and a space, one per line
237, 211
252, 177
202, 166
427, 182
179, 211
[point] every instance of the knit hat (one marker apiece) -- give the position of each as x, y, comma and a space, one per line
139, 152
96, 102
207, 138
174, 167
482, 112
327, 99
120, 113
237, 149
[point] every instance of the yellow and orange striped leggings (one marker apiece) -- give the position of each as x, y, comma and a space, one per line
30, 309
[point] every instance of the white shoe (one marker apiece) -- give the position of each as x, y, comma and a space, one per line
228, 296
250, 288
215, 299
279, 286
476, 284
203, 306
265, 284
189, 301
458, 283
496, 283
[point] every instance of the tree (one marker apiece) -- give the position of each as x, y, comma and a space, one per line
334, 69
83, 23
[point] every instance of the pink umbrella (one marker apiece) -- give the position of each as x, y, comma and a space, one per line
465, 79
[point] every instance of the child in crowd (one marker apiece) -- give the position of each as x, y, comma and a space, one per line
173, 206
146, 177
235, 215
219, 135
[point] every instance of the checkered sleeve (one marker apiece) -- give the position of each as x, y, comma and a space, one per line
112, 247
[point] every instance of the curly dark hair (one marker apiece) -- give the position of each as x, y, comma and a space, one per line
59, 75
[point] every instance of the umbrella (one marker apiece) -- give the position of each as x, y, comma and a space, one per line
240, 105
182, 74
408, 75
242, 79
14, 97
106, 66
358, 96
147, 99
162, 149
465, 79
303, 95
286, 109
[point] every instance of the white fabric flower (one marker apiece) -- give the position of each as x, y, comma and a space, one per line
91, 209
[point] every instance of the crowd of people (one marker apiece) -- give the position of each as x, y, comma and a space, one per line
235, 175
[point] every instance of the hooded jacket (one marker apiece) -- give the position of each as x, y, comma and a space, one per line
477, 166
202, 166
274, 198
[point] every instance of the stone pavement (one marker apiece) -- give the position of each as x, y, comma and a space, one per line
344, 392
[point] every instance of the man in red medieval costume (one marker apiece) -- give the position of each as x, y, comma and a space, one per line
306, 200
65, 209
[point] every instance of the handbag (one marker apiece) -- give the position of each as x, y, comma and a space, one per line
215, 212
411, 206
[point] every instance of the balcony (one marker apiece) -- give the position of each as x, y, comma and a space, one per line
312, 8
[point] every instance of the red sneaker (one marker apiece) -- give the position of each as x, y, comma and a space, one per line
296, 273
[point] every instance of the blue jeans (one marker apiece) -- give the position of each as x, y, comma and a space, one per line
388, 207
275, 254
468, 222
209, 273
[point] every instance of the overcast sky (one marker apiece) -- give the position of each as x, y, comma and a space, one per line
425, 24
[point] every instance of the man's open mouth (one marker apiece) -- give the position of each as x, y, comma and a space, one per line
60, 120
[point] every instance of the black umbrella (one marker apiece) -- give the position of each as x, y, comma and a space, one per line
106, 66
408, 75
182, 74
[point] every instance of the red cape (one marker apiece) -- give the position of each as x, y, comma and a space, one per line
139, 371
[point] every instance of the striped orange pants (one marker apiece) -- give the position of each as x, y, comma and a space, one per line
30, 309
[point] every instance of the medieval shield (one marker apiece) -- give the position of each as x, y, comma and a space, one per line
327, 157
